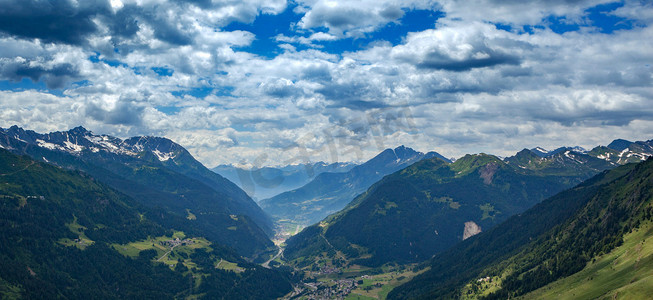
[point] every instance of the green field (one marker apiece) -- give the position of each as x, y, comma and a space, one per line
229, 266
82, 241
378, 286
624, 273
164, 253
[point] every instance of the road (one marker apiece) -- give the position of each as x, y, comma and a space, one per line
23, 169
267, 263
166, 254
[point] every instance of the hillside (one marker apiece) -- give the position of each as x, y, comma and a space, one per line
61, 231
430, 206
553, 240
329, 192
159, 174
624, 273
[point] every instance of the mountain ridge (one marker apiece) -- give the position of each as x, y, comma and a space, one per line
330, 192
426, 207
158, 173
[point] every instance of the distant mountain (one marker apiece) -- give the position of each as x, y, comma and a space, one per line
564, 163
619, 151
266, 182
329, 192
623, 151
65, 235
575, 230
432, 205
619, 144
541, 152
158, 173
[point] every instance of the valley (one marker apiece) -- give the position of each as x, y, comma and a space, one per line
146, 205
326, 149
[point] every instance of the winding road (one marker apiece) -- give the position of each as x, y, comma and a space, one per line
267, 263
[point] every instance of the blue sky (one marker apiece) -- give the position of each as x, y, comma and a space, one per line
236, 81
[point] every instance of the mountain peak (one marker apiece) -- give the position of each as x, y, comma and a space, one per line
403, 152
79, 130
528, 153
619, 144
471, 162
539, 151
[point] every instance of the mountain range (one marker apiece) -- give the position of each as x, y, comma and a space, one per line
266, 182
329, 192
431, 205
95, 216
619, 151
158, 173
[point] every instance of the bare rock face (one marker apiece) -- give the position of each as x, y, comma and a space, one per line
471, 229
487, 172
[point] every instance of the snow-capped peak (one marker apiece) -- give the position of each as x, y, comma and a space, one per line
541, 149
78, 140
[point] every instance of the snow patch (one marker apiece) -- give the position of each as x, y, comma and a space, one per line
163, 156
73, 147
542, 150
51, 146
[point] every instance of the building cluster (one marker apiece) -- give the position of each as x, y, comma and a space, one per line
177, 242
335, 289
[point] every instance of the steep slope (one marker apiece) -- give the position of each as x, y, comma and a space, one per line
61, 230
624, 273
157, 173
330, 192
267, 182
553, 240
427, 208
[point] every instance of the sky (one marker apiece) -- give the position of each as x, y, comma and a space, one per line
284, 82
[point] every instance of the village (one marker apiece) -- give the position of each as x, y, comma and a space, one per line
176, 242
332, 289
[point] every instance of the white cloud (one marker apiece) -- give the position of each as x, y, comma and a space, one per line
354, 18
460, 46
516, 12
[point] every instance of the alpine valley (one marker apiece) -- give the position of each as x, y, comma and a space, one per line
329, 192
95, 216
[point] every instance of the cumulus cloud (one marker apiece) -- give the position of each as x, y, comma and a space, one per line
52, 21
459, 48
517, 12
354, 19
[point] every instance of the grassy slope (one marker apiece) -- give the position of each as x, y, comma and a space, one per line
387, 282
625, 273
